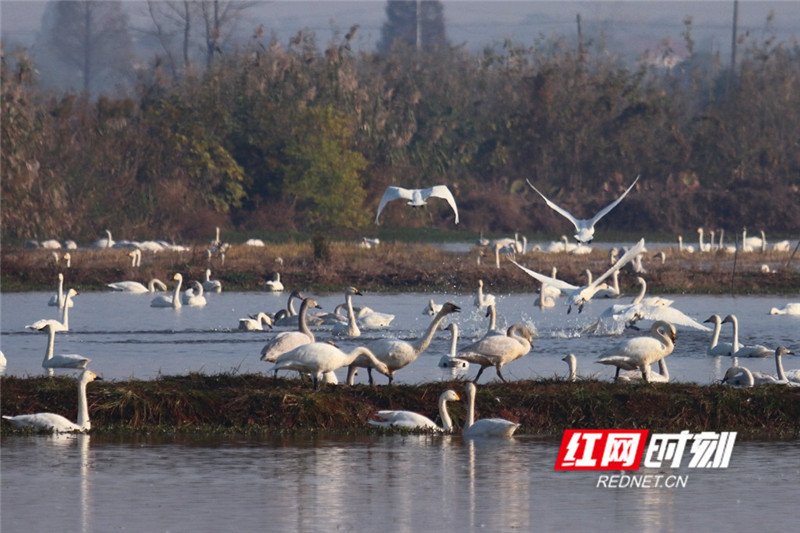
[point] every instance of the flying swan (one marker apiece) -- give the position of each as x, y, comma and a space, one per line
417, 197
584, 228
57, 423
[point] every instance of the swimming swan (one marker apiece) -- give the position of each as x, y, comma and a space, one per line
716, 347
417, 197
211, 285
63, 325
739, 376
174, 301
485, 427
58, 299
789, 375
196, 298
412, 420
51, 361
739, 350
640, 352
450, 360
498, 350
350, 328
584, 228
481, 299
318, 358
256, 323
396, 353
134, 287
57, 423
788, 309
274, 283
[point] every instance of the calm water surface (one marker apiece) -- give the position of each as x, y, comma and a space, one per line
393, 483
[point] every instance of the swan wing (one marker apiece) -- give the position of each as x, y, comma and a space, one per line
585, 294
557, 283
67, 360
441, 191
43, 323
603, 212
128, 286
670, 314
392, 193
43, 422
558, 209
404, 419
283, 342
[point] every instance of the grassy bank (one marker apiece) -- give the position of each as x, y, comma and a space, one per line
397, 267
257, 404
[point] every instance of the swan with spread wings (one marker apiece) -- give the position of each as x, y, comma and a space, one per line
584, 228
417, 197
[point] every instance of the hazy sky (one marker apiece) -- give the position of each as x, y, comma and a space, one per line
478, 22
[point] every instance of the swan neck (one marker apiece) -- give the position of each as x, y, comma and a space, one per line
302, 324
447, 422
470, 408
359, 351
65, 312
715, 335
424, 341
51, 340
83, 406
573, 369
779, 368
735, 323
290, 305
454, 341
641, 294
61, 292
176, 295
492, 317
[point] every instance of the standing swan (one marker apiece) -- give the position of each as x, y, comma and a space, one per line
319, 358
497, 350
174, 301
396, 353
51, 361
640, 352
412, 420
485, 427
57, 423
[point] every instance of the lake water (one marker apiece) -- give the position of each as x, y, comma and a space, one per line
364, 483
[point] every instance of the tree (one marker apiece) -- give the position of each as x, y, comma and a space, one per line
415, 23
93, 38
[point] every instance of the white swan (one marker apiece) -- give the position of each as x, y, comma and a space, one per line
108, 242
256, 323
289, 340
739, 376
349, 329
450, 360
432, 308
703, 246
63, 325
417, 197
579, 296
174, 300
318, 358
481, 299
789, 375
689, 249
749, 244
640, 352
498, 350
572, 364
274, 284
632, 376
288, 315
491, 313
211, 285
412, 420
610, 291
51, 361
57, 300
485, 427
584, 228
739, 350
57, 423
792, 308
134, 287
560, 246
728, 249
136, 258
716, 347
396, 353
196, 298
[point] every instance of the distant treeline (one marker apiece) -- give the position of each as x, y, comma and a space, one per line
307, 137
